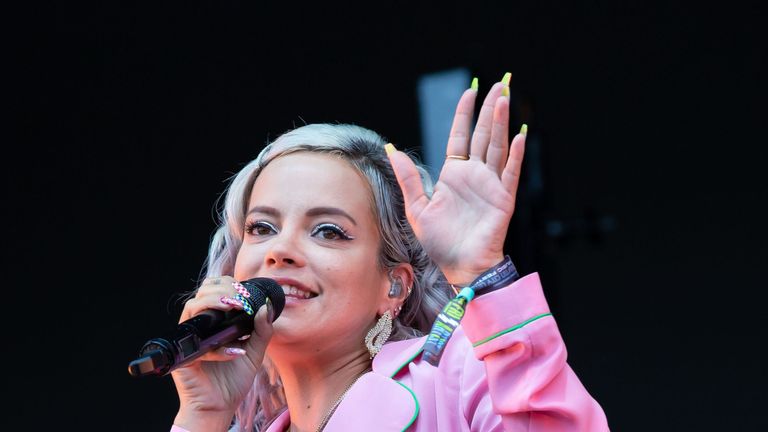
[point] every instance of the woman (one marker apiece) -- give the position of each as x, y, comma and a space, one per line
367, 251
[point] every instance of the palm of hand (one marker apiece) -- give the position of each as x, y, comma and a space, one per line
459, 225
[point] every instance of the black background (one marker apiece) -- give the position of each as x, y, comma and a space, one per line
128, 119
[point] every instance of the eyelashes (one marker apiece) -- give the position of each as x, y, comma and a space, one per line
323, 231
329, 231
259, 228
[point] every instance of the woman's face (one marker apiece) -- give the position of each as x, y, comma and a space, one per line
310, 226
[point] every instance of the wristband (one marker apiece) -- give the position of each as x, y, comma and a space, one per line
496, 277
449, 318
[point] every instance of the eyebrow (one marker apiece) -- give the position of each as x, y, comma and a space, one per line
315, 211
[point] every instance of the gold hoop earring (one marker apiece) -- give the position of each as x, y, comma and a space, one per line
379, 334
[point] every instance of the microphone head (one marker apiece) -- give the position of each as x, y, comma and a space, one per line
259, 288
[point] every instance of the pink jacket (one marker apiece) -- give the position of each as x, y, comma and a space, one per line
516, 380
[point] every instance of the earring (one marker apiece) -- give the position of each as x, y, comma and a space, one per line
379, 334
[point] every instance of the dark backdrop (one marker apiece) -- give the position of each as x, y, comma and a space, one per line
645, 219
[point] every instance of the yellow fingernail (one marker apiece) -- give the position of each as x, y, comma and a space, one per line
507, 78
524, 129
473, 86
505, 91
389, 148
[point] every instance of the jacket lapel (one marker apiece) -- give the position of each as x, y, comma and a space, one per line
378, 402
375, 400
396, 355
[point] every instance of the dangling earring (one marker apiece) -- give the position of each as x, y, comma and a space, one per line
379, 334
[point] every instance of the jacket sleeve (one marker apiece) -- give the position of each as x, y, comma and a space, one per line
530, 384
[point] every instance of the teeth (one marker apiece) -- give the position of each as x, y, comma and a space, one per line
293, 291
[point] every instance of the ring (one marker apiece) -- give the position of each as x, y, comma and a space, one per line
459, 157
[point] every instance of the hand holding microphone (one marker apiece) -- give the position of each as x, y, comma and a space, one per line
209, 324
213, 369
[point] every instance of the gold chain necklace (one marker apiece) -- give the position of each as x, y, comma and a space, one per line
335, 405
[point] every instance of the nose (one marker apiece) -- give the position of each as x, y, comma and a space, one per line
284, 251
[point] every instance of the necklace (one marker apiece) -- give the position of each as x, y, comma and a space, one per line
335, 405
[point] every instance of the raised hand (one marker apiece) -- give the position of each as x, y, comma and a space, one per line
464, 224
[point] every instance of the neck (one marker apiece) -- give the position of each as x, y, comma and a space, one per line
312, 388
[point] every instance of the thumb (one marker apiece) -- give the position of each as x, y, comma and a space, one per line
262, 333
409, 180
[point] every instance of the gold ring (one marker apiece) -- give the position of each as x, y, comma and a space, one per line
459, 157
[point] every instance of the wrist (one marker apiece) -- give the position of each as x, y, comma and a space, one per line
502, 274
463, 277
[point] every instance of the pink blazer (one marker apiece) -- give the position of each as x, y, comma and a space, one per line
504, 369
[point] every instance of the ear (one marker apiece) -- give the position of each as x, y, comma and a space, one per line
397, 285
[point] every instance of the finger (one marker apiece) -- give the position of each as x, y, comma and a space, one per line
482, 135
217, 280
225, 353
220, 285
458, 140
510, 177
410, 182
219, 301
498, 148
212, 287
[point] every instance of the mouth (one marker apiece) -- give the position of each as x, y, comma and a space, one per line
295, 289
292, 291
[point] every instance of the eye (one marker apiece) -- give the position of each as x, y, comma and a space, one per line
260, 228
329, 231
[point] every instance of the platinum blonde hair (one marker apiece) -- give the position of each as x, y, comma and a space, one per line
363, 149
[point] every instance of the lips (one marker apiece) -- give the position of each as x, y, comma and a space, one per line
295, 289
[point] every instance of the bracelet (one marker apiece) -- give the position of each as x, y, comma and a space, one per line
497, 277
449, 318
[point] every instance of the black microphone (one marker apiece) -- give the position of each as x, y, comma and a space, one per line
206, 332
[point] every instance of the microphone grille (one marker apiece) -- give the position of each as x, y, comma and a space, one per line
260, 287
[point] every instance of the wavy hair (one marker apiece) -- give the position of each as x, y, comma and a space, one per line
363, 149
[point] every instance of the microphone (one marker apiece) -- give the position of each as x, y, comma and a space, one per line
206, 331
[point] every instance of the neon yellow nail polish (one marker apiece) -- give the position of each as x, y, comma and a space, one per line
389, 148
524, 129
507, 78
505, 91
474, 86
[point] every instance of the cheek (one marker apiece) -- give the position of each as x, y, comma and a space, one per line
246, 261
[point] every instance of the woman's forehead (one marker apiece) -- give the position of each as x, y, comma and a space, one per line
312, 178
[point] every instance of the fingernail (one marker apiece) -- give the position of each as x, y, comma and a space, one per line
247, 306
505, 91
270, 311
241, 289
474, 85
230, 301
234, 351
507, 78
389, 148
524, 129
